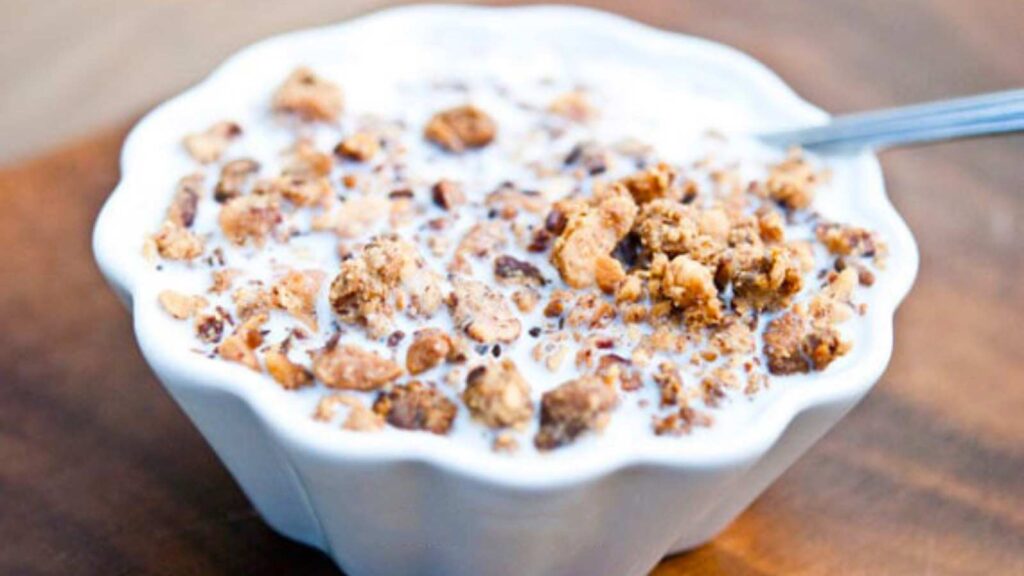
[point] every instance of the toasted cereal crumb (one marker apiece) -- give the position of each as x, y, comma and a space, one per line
296, 294
182, 211
572, 409
681, 422
416, 406
482, 313
359, 418
360, 147
209, 326
525, 300
181, 306
653, 183
448, 194
430, 347
249, 219
174, 242
223, 279
592, 230
509, 270
309, 96
350, 367
497, 395
505, 443
670, 383
241, 345
208, 146
457, 129
288, 374
573, 105
234, 176
791, 182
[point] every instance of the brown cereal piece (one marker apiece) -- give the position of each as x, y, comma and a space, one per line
359, 418
233, 177
482, 313
762, 279
573, 408
181, 306
241, 345
508, 201
846, 240
670, 383
350, 367
208, 146
447, 194
250, 301
771, 226
359, 147
174, 242
652, 183
667, 227
631, 289
300, 190
573, 105
592, 230
416, 406
608, 274
296, 294
479, 241
288, 374
688, 285
209, 326
309, 96
223, 279
557, 303
457, 129
497, 395
430, 347
590, 311
794, 345
509, 270
355, 216
681, 422
733, 337
182, 211
248, 219
306, 161
525, 300
791, 182
823, 344
387, 276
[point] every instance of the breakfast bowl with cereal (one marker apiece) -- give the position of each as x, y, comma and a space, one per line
460, 290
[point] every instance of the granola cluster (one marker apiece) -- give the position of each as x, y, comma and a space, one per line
522, 278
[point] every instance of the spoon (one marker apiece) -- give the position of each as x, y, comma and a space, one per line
984, 114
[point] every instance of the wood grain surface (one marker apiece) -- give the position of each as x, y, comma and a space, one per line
101, 474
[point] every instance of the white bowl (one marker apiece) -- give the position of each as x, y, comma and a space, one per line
423, 504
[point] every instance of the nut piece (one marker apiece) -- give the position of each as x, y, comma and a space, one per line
457, 129
429, 348
350, 367
309, 96
361, 146
182, 211
296, 293
288, 374
448, 194
497, 395
241, 345
416, 406
208, 146
482, 313
181, 306
571, 409
509, 270
250, 218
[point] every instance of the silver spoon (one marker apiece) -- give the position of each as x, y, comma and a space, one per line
985, 114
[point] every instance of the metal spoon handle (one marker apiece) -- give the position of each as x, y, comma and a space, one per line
995, 113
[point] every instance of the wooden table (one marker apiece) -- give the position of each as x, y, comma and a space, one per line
101, 474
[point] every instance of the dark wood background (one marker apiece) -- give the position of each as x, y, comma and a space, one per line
101, 474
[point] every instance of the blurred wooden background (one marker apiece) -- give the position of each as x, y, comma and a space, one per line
101, 474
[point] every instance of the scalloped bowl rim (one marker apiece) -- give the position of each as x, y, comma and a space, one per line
120, 262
